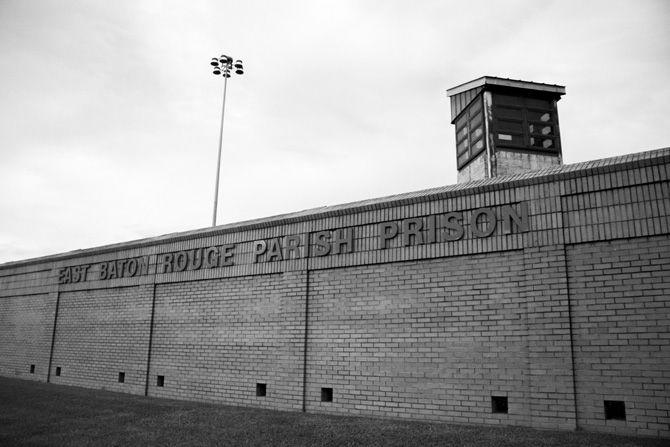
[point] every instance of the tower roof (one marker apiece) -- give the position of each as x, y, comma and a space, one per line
505, 82
463, 94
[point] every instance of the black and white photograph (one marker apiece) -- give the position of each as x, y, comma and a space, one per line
335, 223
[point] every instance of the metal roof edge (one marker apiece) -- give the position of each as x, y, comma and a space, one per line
464, 87
505, 82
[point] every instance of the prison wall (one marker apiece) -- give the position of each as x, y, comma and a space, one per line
431, 339
538, 299
27, 307
102, 334
621, 332
216, 340
26, 323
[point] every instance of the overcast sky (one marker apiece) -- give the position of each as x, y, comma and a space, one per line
109, 112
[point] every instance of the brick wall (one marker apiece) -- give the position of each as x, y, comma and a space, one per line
101, 333
407, 339
217, 339
551, 380
26, 325
428, 340
556, 315
621, 318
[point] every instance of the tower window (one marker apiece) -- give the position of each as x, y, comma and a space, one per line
470, 132
525, 123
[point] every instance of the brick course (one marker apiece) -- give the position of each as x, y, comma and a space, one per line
557, 316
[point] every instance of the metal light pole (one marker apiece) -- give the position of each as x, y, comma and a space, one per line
222, 66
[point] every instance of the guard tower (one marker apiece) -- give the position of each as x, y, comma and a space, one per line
505, 127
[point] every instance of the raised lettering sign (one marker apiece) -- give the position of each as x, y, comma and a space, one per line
434, 228
448, 227
196, 259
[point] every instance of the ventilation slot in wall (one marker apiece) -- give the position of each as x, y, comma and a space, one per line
326, 394
160, 381
32, 369
122, 377
58, 370
499, 404
261, 389
615, 409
